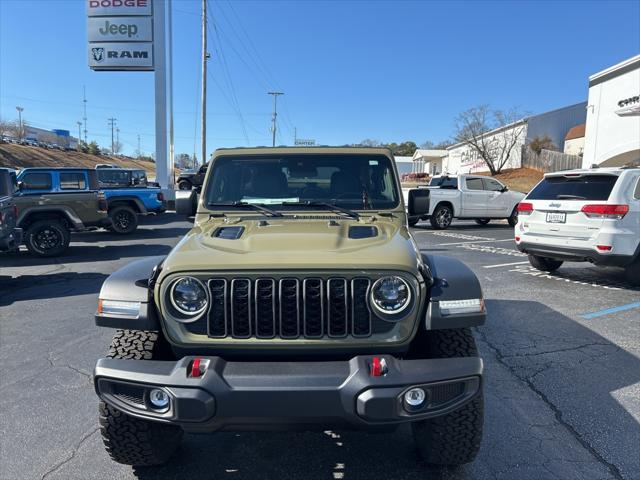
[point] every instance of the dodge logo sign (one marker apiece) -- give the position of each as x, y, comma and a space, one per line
98, 54
97, 8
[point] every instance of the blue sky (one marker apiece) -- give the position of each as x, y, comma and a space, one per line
387, 70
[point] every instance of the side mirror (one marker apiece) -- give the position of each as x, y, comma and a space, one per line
505, 189
186, 202
419, 199
20, 186
136, 181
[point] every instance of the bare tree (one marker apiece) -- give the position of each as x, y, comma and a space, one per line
5, 127
473, 127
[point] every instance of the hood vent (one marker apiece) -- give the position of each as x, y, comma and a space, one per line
228, 233
362, 231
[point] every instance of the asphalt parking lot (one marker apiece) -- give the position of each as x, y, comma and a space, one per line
561, 351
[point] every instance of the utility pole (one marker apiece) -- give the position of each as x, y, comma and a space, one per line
79, 135
275, 115
205, 57
84, 118
139, 152
295, 135
21, 130
112, 124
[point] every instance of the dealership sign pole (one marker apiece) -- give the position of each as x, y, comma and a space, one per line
129, 35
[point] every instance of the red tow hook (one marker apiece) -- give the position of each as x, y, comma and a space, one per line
378, 367
195, 369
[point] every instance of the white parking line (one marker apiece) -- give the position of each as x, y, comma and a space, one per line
479, 241
504, 265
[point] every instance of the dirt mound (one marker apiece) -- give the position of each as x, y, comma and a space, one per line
19, 156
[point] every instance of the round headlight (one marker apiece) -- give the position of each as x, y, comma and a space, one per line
189, 296
390, 295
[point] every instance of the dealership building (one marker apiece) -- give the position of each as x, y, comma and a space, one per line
462, 158
612, 136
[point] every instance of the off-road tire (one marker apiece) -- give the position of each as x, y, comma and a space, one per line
130, 440
451, 439
184, 185
513, 219
442, 217
482, 221
124, 220
545, 264
54, 230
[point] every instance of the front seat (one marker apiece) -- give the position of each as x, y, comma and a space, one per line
270, 183
345, 184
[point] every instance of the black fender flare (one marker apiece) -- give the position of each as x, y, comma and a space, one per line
452, 280
131, 284
114, 201
61, 211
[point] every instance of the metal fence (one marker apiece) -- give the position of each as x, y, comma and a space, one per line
549, 161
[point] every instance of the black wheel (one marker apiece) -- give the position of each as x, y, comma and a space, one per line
545, 264
441, 217
413, 222
513, 219
184, 185
454, 438
130, 440
124, 220
632, 273
482, 221
47, 238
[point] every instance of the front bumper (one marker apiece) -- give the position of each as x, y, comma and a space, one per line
287, 395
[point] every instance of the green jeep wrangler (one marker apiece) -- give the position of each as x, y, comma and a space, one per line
299, 300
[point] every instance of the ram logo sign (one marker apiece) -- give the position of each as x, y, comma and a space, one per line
121, 56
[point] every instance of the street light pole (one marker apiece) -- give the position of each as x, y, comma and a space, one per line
20, 131
203, 98
275, 115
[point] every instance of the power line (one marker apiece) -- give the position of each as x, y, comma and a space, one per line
230, 84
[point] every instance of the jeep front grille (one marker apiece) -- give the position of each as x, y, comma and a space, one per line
288, 308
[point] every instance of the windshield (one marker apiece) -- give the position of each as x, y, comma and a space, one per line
111, 177
588, 187
357, 182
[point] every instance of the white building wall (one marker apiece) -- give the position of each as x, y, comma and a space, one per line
611, 130
463, 158
574, 146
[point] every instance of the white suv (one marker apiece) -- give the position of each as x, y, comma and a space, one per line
583, 215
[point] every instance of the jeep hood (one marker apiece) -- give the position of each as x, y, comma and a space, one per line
276, 244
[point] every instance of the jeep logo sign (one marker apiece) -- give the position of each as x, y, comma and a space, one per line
121, 56
120, 34
118, 7
116, 29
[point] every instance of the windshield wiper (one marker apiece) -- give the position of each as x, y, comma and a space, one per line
255, 206
570, 197
331, 206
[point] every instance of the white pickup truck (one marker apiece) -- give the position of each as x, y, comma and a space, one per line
467, 196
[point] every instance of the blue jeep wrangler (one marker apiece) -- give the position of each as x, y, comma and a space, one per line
129, 194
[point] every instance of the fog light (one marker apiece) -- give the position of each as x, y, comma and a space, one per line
159, 398
415, 398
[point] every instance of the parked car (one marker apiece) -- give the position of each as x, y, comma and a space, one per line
466, 196
128, 195
292, 303
53, 202
192, 179
583, 216
10, 234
